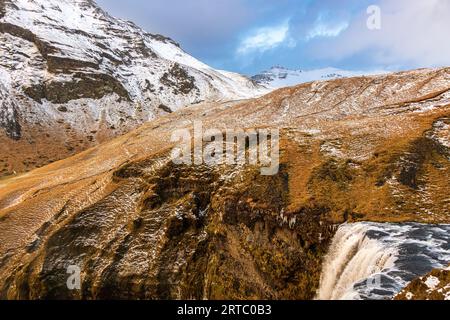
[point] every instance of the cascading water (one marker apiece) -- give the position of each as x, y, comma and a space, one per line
376, 260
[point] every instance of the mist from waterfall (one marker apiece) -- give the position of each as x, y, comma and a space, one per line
376, 260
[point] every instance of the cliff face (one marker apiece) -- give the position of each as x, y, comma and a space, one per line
72, 76
139, 226
167, 232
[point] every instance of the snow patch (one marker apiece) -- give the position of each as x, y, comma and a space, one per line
432, 282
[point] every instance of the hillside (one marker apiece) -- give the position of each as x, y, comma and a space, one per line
433, 286
139, 226
279, 77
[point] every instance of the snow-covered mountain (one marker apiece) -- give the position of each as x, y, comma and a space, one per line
278, 76
74, 74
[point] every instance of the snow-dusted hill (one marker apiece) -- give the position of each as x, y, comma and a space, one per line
143, 227
70, 71
278, 77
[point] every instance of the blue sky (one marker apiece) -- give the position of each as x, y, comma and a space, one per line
248, 36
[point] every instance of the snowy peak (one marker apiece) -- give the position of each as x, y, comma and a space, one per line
73, 76
278, 76
79, 36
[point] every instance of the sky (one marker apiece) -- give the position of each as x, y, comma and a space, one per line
249, 36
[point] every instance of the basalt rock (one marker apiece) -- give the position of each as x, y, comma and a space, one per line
168, 232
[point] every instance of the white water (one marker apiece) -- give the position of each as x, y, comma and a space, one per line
376, 260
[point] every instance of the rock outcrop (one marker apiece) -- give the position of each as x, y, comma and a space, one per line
433, 286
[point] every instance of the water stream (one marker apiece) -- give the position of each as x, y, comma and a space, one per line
376, 260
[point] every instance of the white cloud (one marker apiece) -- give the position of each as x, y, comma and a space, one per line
323, 30
413, 33
266, 38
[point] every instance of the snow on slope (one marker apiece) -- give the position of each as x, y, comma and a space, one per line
278, 77
72, 76
81, 31
71, 71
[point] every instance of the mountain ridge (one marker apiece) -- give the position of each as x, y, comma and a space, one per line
140, 226
73, 76
279, 76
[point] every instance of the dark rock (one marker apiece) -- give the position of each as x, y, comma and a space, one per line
165, 108
179, 80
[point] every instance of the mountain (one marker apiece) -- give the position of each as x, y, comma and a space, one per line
138, 225
72, 76
278, 76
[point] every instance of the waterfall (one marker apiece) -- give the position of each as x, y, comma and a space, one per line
376, 260
352, 257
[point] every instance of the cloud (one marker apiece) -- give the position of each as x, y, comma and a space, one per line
413, 33
200, 26
250, 35
266, 38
